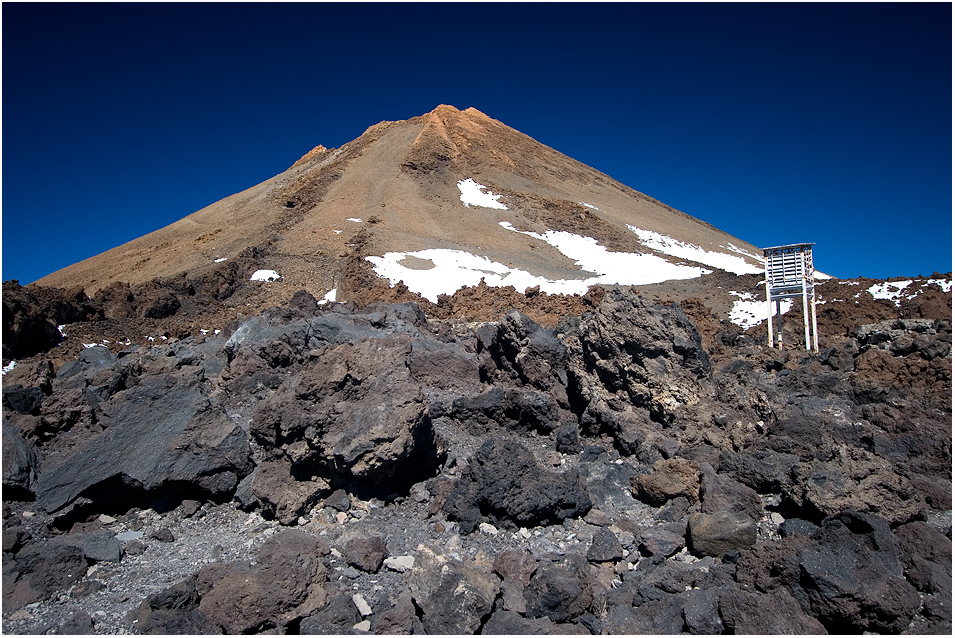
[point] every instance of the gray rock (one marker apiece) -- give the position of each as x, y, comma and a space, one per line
605, 547
173, 611
337, 616
852, 577
338, 500
721, 494
661, 540
99, 546
401, 618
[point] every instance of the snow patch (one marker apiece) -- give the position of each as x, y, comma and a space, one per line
675, 248
748, 310
627, 269
331, 295
588, 205
9, 367
60, 329
354, 219
473, 193
265, 275
337, 232
944, 284
219, 260
891, 290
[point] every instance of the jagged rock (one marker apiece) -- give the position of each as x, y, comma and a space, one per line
400, 618
519, 410
281, 494
716, 534
560, 592
163, 435
662, 614
851, 579
78, 624
173, 611
453, 596
504, 482
721, 494
855, 480
765, 471
98, 546
671, 478
336, 617
339, 500
604, 547
286, 584
20, 461
40, 570
631, 353
745, 612
568, 439
662, 540
354, 412
701, 610
927, 557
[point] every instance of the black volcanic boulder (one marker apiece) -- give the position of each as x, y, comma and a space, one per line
20, 461
504, 483
163, 438
353, 412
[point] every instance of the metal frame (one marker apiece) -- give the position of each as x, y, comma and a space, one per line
790, 274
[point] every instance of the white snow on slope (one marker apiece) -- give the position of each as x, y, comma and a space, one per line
357, 220
749, 310
331, 295
473, 193
219, 260
9, 367
588, 205
628, 269
675, 248
944, 284
265, 275
891, 290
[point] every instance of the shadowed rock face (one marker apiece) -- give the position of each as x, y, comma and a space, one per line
607, 476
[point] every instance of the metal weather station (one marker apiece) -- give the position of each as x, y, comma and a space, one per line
789, 274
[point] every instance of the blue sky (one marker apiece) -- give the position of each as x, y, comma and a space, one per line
778, 123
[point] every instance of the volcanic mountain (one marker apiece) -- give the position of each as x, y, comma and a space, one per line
438, 201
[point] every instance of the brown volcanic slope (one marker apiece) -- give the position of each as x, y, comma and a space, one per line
401, 179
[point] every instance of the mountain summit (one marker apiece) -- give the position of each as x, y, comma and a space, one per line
438, 201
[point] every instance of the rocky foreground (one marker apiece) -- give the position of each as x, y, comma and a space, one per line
335, 469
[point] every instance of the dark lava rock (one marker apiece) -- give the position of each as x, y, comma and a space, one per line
173, 611
510, 623
504, 482
558, 591
339, 500
141, 452
851, 579
366, 553
20, 461
605, 547
40, 570
745, 612
336, 617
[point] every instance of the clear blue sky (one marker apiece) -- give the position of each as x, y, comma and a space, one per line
778, 123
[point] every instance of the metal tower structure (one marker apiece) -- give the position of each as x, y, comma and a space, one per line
790, 274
